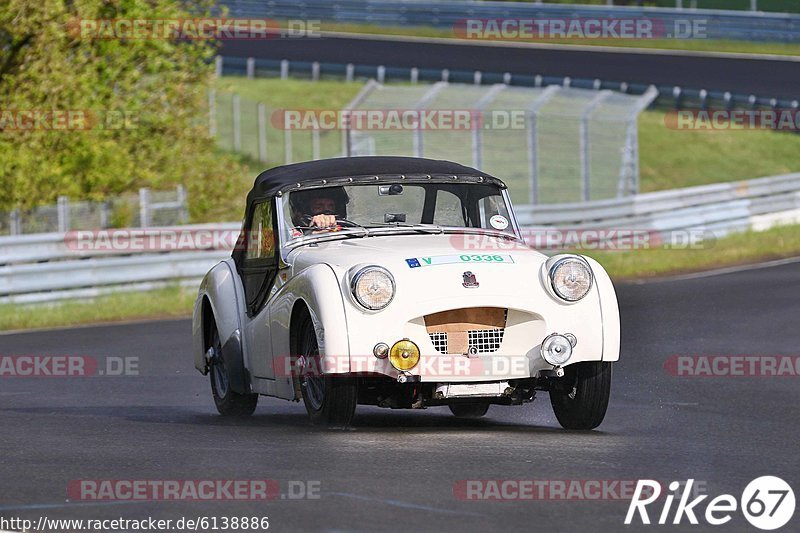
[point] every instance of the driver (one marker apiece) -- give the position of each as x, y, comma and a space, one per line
318, 209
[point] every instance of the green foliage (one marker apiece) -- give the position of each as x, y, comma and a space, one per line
157, 86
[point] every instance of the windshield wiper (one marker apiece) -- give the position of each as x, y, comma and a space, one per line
424, 228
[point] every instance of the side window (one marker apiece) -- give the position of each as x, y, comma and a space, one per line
448, 209
261, 236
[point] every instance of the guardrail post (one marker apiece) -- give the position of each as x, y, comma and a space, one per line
218, 66
284, 69
212, 113
15, 222
753, 5
349, 72
445, 75
507, 78
237, 123
315, 71
476, 77
262, 133
62, 209
183, 212
414, 75
381, 73
144, 207
251, 68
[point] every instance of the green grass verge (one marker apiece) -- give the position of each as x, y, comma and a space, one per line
679, 158
692, 45
736, 249
162, 303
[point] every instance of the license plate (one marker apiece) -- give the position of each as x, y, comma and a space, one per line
467, 390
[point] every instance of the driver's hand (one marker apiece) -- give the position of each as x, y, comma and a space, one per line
323, 221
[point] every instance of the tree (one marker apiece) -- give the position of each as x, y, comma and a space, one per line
136, 109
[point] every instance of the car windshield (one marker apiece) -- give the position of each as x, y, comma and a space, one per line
395, 206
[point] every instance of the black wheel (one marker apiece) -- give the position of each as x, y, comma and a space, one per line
580, 399
329, 400
228, 402
469, 410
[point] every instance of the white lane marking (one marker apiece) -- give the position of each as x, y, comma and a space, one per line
721, 271
561, 47
402, 504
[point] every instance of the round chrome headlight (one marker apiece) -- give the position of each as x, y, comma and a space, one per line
571, 278
373, 287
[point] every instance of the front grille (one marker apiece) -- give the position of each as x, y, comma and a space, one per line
460, 331
486, 340
483, 340
439, 341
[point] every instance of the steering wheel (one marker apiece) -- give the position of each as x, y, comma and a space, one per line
305, 222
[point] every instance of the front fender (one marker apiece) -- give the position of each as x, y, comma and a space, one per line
609, 311
221, 289
316, 287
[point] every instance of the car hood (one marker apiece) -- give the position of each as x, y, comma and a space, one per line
404, 252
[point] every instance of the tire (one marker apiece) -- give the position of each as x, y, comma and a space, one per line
330, 400
228, 402
469, 410
581, 399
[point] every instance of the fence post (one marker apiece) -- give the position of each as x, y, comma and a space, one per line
144, 201
315, 144
212, 113
183, 213
15, 225
218, 66
237, 123
315, 71
349, 72
284, 69
251, 68
104, 215
381, 74
753, 5
62, 209
476, 77
585, 146
262, 133
414, 75
287, 146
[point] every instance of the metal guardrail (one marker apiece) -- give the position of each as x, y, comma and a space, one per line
734, 25
48, 267
720, 208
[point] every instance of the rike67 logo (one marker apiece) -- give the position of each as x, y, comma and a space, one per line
767, 503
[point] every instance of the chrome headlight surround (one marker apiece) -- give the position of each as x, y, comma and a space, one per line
561, 261
358, 277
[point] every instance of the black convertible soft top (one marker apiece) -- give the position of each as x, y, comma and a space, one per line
269, 182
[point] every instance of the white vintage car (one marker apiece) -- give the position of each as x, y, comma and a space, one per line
402, 283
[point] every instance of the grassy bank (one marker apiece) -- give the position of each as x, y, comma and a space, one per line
163, 303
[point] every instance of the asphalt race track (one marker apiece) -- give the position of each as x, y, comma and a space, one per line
397, 469
765, 78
